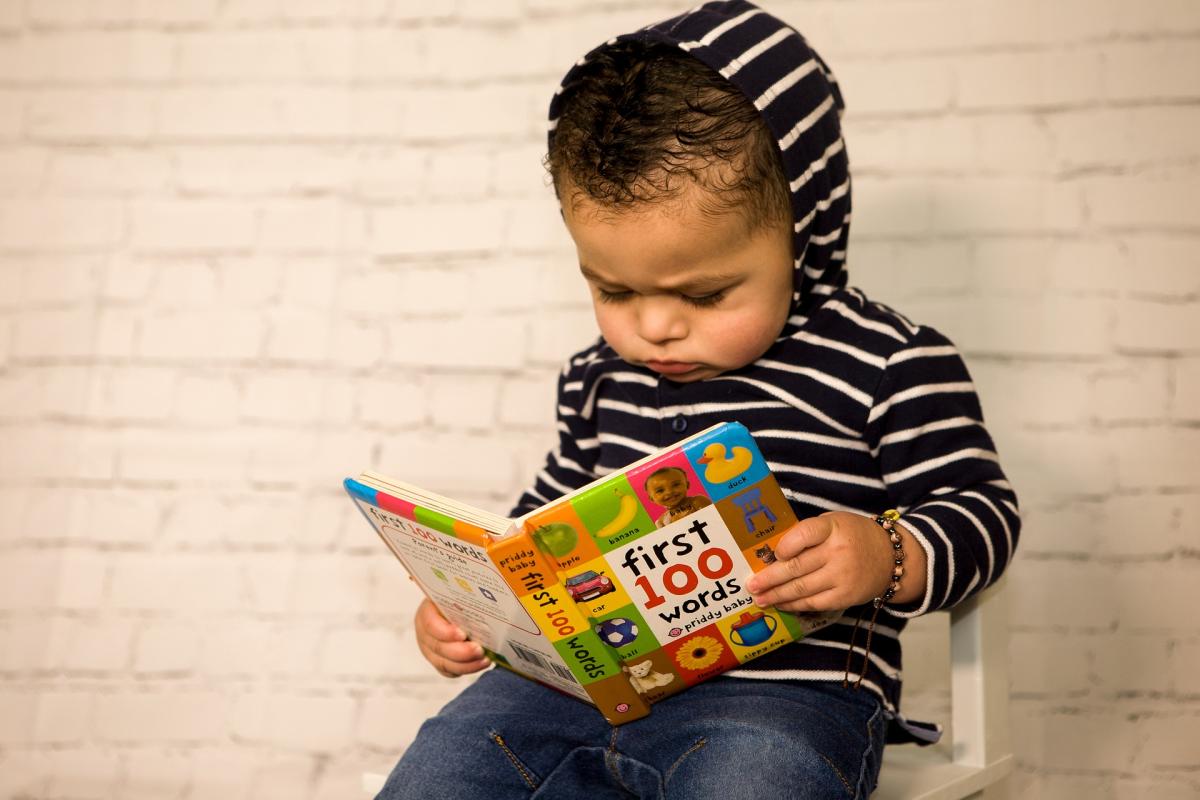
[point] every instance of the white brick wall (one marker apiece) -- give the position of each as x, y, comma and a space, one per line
248, 247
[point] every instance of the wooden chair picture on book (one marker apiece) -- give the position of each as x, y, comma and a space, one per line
751, 504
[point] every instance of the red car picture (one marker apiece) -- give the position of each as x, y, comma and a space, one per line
588, 585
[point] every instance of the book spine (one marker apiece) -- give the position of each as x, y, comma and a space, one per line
531, 574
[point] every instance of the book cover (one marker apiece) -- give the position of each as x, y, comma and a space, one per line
620, 593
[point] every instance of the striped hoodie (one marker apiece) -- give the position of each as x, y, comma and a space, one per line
854, 407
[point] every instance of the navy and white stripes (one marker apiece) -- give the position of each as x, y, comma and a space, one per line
859, 411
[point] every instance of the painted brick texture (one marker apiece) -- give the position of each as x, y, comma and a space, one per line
247, 248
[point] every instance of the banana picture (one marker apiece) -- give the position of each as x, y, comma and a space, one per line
625, 515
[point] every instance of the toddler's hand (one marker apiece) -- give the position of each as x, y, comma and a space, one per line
836, 561
444, 645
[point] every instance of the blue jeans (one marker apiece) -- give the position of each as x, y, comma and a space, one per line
506, 738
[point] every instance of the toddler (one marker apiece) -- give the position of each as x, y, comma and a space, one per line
702, 175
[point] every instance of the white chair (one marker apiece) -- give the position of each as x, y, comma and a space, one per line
981, 752
372, 782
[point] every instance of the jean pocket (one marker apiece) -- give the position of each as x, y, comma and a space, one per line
872, 760
529, 776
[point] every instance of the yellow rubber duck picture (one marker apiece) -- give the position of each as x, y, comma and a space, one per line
720, 466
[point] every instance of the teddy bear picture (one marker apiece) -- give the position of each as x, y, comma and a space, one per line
643, 677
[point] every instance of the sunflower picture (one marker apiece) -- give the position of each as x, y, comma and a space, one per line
699, 652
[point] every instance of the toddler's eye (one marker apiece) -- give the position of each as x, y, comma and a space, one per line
704, 300
612, 297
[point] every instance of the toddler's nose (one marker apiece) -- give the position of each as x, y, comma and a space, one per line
660, 319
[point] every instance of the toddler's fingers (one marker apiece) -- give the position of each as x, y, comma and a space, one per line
431, 621
454, 649
444, 645
785, 570
822, 601
458, 652
453, 659
463, 657
804, 534
456, 669
807, 585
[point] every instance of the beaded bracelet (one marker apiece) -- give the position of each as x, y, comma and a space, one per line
887, 521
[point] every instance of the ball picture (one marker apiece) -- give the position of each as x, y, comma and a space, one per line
617, 631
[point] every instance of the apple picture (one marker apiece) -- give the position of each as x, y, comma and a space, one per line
557, 538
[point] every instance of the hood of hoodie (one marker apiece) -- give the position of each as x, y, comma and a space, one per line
795, 92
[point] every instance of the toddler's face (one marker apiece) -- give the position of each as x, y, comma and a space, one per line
686, 295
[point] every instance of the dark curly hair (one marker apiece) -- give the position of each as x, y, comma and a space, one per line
639, 117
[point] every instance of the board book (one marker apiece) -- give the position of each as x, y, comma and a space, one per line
620, 593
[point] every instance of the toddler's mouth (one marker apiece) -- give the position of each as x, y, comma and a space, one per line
672, 367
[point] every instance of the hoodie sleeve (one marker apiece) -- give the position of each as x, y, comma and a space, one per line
941, 470
570, 464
